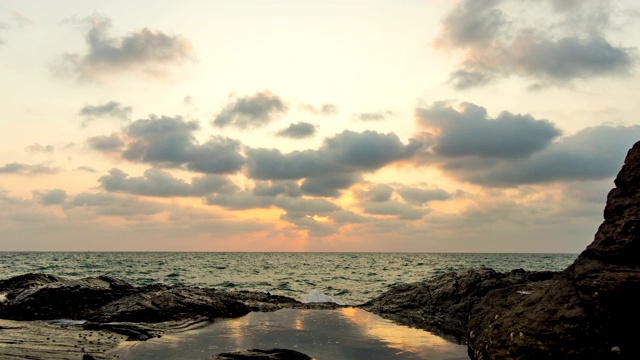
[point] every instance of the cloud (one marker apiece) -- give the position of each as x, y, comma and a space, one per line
86, 169
114, 205
376, 193
147, 52
160, 183
325, 109
591, 154
329, 184
112, 109
240, 201
26, 169
393, 208
498, 40
274, 188
105, 143
50, 197
251, 111
336, 165
418, 196
171, 143
374, 116
470, 132
37, 148
299, 130
318, 217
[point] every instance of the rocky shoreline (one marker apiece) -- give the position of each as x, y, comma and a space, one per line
588, 311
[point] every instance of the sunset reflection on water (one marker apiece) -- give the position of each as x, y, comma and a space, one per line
347, 333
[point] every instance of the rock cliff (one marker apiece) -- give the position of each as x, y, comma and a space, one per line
590, 311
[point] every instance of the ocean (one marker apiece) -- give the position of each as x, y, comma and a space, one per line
344, 278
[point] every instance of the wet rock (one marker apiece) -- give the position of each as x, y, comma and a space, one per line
589, 311
256, 354
44, 340
133, 332
165, 304
70, 299
442, 304
26, 281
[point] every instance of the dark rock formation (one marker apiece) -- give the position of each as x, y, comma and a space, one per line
256, 354
442, 304
104, 299
591, 310
72, 299
27, 280
163, 303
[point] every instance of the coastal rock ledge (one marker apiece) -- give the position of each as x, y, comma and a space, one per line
589, 311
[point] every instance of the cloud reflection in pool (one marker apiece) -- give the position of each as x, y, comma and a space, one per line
347, 334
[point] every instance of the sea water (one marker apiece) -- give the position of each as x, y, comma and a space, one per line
344, 278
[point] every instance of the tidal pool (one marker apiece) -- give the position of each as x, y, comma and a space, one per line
346, 334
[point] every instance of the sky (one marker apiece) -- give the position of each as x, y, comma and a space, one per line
264, 125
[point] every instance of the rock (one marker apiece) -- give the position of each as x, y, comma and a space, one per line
26, 281
442, 304
105, 299
166, 303
589, 311
69, 299
256, 354
44, 340
133, 332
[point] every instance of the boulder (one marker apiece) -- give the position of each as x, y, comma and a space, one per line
589, 311
442, 304
69, 299
26, 281
163, 303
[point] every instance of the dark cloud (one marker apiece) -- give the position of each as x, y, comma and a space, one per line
26, 169
50, 197
251, 111
104, 143
470, 132
325, 109
170, 142
336, 165
465, 79
160, 183
37, 148
147, 52
374, 116
368, 150
113, 205
112, 109
240, 201
418, 196
299, 130
316, 216
271, 164
393, 208
274, 188
591, 154
497, 42
376, 193
329, 184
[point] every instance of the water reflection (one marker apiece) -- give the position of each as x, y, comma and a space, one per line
323, 334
